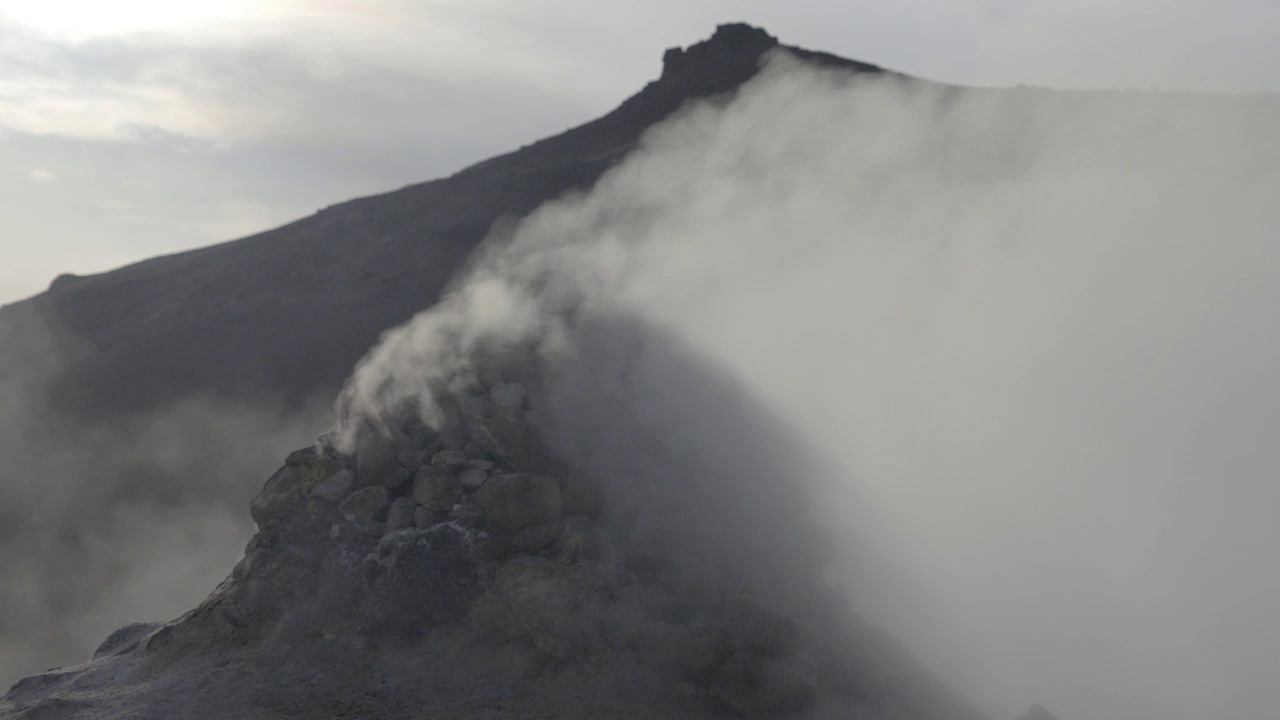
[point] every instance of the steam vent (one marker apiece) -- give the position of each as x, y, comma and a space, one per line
473, 567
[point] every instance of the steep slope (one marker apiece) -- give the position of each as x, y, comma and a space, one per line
286, 313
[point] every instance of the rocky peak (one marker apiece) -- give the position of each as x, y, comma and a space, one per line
735, 46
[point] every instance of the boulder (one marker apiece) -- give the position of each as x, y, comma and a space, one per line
472, 479
453, 459
285, 489
365, 505
335, 488
436, 487
548, 606
514, 502
400, 514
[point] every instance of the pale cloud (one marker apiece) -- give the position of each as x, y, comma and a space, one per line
40, 175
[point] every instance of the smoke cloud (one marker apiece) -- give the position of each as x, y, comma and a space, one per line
103, 524
1030, 328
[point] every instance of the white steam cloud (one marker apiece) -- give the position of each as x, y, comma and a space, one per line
1034, 326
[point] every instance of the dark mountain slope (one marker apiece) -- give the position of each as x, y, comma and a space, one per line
286, 313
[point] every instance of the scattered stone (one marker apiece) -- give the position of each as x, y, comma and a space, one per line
514, 502
400, 514
472, 479
365, 505
762, 687
453, 459
484, 465
472, 450
335, 488
436, 487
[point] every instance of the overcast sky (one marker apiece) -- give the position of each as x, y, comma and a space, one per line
140, 127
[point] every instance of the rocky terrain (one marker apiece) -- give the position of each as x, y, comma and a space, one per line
531, 553
469, 570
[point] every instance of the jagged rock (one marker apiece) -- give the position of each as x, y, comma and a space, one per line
436, 487
535, 537
286, 488
762, 687
514, 502
400, 514
365, 505
125, 639
478, 464
335, 488
760, 630
396, 477
472, 479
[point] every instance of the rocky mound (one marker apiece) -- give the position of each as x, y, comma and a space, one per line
470, 570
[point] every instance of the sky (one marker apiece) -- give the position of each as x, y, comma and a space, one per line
140, 127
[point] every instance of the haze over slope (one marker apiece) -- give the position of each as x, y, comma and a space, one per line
1032, 324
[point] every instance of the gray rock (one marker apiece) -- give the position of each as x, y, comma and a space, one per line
468, 516
762, 687
413, 459
514, 442
395, 477
453, 459
436, 487
335, 488
422, 518
535, 537
514, 502
285, 489
550, 607
478, 464
472, 479
400, 514
365, 505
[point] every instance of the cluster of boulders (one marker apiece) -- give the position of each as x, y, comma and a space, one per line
551, 568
